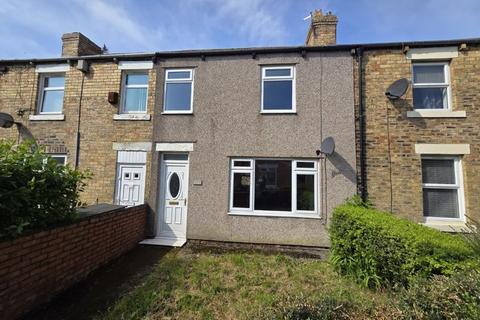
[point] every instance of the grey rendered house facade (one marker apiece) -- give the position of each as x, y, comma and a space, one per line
247, 136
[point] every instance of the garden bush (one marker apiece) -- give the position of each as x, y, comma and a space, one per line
35, 192
455, 297
379, 249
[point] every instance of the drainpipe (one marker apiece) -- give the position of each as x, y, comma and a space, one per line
77, 152
361, 127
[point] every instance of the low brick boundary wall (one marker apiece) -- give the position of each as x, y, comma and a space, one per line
34, 268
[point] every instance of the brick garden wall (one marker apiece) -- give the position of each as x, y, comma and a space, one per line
36, 267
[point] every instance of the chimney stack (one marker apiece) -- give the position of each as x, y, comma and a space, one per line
76, 44
323, 29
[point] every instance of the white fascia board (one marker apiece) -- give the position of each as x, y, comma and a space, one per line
425, 148
437, 53
43, 68
132, 146
174, 146
135, 65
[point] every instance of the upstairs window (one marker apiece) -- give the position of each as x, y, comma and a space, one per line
442, 188
135, 92
52, 88
431, 86
178, 91
278, 89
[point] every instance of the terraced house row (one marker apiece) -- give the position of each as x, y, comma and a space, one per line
226, 144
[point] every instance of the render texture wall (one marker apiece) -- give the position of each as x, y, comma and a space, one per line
18, 89
394, 176
226, 122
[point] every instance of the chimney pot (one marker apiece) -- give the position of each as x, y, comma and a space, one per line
323, 29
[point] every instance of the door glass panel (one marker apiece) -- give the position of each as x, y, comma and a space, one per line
174, 185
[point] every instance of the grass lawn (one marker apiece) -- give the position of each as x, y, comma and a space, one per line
236, 285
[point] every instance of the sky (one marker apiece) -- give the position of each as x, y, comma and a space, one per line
33, 28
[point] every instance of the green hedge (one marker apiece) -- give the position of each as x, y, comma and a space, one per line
35, 192
379, 249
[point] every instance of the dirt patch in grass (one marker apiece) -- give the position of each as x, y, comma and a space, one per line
237, 285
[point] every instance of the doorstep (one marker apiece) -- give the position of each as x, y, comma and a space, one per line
160, 241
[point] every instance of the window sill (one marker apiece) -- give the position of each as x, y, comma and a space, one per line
436, 114
278, 112
447, 226
46, 117
275, 214
185, 113
133, 117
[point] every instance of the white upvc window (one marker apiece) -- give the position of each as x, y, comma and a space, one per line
442, 182
134, 92
60, 158
431, 86
178, 92
274, 187
52, 88
278, 89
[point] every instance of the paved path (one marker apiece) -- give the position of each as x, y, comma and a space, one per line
102, 287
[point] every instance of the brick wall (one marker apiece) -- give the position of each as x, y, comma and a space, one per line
36, 267
394, 177
76, 44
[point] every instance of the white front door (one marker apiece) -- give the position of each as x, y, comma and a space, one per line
130, 184
172, 222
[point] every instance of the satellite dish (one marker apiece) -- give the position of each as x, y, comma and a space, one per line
397, 89
6, 120
328, 146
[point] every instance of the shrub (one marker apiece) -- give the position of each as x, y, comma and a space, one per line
35, 191
472, 235
379, 249
456, 297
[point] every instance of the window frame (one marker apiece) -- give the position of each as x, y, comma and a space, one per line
42, 90
294, 213
57, 155
123, 97
292, 77
459, 186
190, 80
447, 84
